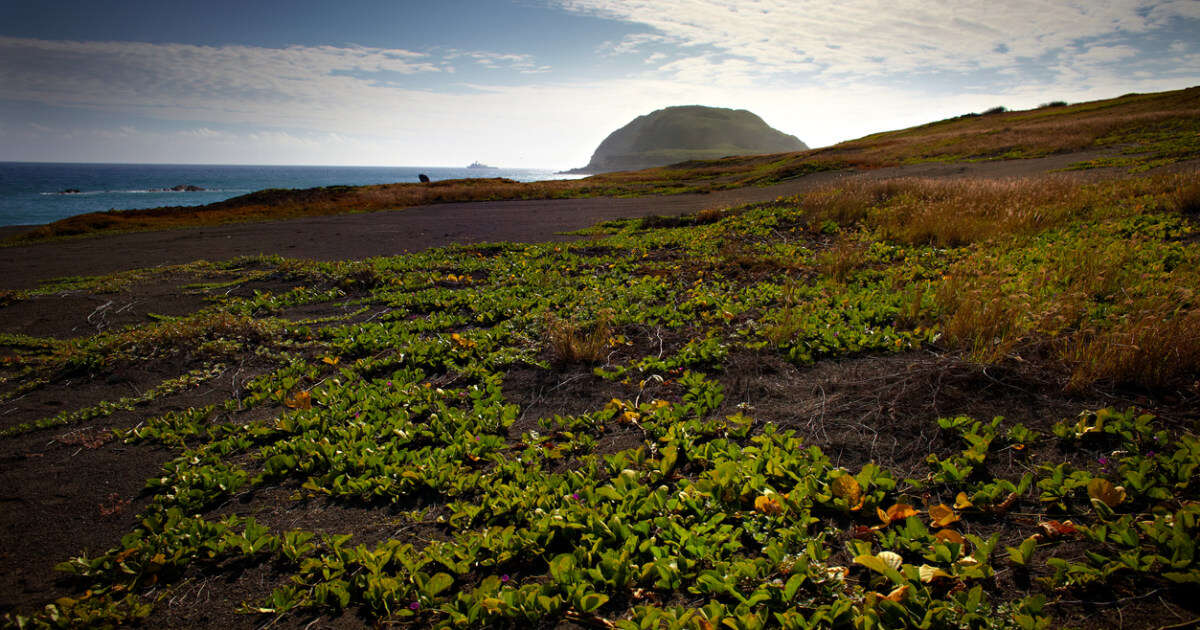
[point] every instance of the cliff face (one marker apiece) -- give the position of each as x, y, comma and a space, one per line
690, 132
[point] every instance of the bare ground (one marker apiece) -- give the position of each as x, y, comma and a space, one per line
68, 489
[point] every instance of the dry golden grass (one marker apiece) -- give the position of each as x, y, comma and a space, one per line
844, 257
948, 212
1106, 307
980, 318
951, 213
1151, 348
570, 343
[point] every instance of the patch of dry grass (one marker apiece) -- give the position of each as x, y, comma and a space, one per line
1150, 347
569, 342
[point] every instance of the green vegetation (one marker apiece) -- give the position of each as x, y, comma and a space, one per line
658, 492
1147, 130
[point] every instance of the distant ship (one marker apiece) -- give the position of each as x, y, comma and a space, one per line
481, 165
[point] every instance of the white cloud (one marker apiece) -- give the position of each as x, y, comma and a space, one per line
865, 38
823, 70
633, 43
1098, 55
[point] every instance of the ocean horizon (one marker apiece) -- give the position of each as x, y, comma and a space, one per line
34, 193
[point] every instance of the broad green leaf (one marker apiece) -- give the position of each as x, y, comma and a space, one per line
592, 601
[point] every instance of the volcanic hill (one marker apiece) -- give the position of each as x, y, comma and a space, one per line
689, 132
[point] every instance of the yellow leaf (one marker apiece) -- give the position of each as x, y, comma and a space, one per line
767, 505
941, 515
961, 502
1104, 491
331, 360
846, 488
929, 574
901, 511
302, 400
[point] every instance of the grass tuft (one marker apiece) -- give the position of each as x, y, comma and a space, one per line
1153, 347
571, 343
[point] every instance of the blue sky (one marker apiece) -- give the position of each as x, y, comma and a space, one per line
539, 83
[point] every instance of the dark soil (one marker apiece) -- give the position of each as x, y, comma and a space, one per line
72, 489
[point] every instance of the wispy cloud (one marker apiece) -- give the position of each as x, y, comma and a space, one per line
863, 39
824, 70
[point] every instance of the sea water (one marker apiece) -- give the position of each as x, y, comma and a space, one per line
33, 193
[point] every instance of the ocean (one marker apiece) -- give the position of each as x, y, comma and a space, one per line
33, 192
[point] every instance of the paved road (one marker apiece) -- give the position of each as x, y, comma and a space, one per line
353, 236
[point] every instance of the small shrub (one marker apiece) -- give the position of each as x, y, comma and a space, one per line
999, 109
1052, 104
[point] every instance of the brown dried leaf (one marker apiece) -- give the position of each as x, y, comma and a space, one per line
898, 594
949, 536
1054, 529
942, 515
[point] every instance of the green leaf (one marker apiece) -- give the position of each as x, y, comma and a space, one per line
562, 566
670, 455
1191, 577
438, 583
592, 601
875, 563
793, 585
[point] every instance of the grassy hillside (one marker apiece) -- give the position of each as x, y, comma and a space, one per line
907, 403
1137, 132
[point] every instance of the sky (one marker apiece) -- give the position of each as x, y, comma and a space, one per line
539, 83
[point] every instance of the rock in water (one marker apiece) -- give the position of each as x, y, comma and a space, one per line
690, 132
423, 178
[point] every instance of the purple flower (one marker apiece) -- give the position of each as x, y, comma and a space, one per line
504, 578
389, 385
414, 606
1103, 460
575, 495
1149, 453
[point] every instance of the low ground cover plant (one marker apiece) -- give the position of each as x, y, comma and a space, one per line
588, 433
